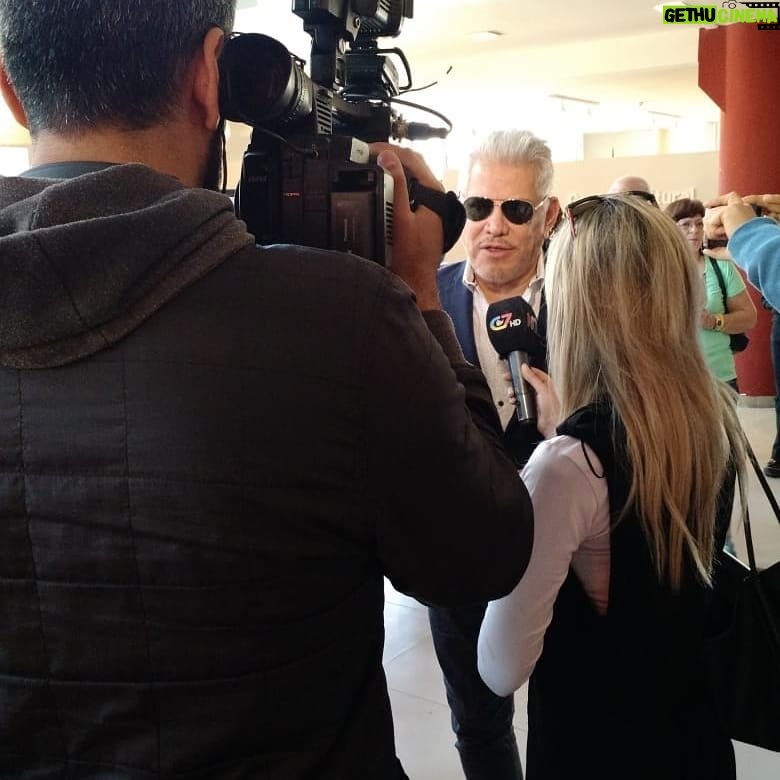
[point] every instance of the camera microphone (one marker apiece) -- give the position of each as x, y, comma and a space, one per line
417, 131
511, 328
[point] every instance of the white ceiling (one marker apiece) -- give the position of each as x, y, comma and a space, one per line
617, 53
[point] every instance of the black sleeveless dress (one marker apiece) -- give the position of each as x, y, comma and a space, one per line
621, 696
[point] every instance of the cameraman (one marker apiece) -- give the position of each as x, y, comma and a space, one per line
212, 452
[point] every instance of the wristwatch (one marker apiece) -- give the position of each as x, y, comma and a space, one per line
718, 322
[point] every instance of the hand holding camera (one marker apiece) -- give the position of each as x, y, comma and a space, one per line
418, 234
725, 214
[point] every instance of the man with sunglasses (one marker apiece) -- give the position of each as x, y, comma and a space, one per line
510, 213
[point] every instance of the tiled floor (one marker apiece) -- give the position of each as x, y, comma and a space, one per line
423, 736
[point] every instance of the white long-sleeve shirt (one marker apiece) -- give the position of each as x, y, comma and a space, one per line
571, 528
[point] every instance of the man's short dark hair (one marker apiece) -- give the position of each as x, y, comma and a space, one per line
85, 63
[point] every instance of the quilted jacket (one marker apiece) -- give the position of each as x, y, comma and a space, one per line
211, 454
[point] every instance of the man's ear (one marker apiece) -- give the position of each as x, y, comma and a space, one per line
553, 215
9, 95
205, 87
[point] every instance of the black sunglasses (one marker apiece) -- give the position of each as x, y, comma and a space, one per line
518, 212
579, 207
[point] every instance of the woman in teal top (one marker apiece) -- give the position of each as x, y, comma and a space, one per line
719, 318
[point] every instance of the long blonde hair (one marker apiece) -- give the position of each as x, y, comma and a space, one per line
624, 299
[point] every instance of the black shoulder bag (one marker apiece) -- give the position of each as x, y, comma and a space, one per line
741, 650
738, 340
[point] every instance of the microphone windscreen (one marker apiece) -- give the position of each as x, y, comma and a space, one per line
511, 327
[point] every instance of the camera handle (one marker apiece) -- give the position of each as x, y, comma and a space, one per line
445, 204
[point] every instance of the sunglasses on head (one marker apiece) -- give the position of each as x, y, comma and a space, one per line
518, 212
579, 207
644, 194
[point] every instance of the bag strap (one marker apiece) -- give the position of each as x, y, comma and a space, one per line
769, 611
721, 282
770, 497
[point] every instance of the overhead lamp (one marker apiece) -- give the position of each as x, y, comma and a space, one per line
570, 99
485, 35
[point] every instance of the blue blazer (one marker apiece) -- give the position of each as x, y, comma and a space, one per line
458, 301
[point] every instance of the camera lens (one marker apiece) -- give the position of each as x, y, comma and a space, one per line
264, 83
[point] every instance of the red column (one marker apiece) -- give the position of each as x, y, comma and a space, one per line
738, 68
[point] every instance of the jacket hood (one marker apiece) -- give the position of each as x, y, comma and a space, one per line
84, 261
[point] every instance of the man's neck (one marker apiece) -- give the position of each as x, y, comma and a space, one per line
148, 147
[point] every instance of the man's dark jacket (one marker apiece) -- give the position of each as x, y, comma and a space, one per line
211, 454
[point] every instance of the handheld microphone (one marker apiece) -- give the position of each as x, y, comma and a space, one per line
511, 328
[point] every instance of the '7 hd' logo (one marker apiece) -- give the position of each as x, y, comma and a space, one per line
508, 320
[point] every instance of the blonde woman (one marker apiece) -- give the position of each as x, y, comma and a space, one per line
608, 616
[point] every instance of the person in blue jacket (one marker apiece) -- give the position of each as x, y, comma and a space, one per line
751, 226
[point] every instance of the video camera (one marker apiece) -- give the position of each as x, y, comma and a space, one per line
306, 176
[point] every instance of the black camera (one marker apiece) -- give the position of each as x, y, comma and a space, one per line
306, 177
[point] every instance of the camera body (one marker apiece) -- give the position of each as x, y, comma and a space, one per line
332, 199
306, 177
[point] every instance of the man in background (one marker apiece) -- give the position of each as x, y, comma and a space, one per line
628, 184
212, 453
510, 212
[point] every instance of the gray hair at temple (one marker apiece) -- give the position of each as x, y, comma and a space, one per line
86, 63
516, 147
